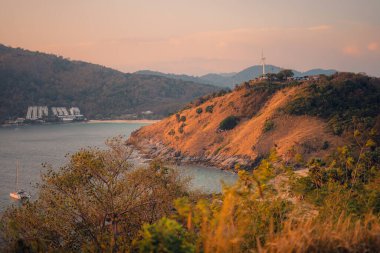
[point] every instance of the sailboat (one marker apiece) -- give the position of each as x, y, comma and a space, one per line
19, 194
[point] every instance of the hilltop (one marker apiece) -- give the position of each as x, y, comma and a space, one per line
34, 78
230, 79
299, 119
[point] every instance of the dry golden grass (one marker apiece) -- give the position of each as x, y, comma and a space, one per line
345, 235
200, 136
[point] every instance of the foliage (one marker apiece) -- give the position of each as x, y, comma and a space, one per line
181, 128
183, 118
344, 235
97, 201
166, 236
229, 123
268, 125
32, 78
210, 108
199, 110
284, 74
346, 184
205, 98
325, 145
250, 216
343, 99
239, 219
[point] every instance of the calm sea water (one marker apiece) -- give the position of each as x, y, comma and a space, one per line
36, 144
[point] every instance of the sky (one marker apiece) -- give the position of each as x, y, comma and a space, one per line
199, 36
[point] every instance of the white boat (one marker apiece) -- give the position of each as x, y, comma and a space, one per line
19, 194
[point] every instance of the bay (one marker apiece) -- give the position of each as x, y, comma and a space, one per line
33, 145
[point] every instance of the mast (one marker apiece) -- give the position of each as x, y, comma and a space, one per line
17, 167
263, 61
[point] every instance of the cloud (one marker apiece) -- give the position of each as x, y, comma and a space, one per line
319, 28
351, 50
373, 46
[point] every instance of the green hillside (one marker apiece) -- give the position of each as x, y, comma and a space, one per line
33, 78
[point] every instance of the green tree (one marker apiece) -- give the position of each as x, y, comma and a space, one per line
229, 123
284, 74
164, 236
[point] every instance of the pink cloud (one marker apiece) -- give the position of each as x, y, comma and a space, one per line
319, 28
373, 46
351, 50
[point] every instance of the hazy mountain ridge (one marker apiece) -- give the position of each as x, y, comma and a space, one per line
230, 79
34, 78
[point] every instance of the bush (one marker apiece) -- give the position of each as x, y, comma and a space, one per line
210, 108
171, 132
268, 125
164, 236
325, 145
181, 128
199, 110
229, 123
183, 118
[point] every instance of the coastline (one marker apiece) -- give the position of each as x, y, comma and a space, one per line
139, 121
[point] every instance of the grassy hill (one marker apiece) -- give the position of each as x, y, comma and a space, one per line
307, 119
33, 78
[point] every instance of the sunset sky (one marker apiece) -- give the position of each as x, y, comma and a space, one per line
199, 36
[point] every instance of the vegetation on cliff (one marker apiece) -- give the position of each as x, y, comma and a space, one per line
301, 119
342, 99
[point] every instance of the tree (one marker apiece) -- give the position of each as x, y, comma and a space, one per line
166, 236
284, 74
229, 123
97, 201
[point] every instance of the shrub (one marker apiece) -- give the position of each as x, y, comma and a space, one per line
171, 132
268, 125
325, 145
181, 128
229, 123
183, 118
166, 235
199, 110
210, 108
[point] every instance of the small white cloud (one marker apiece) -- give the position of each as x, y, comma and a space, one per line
373, 46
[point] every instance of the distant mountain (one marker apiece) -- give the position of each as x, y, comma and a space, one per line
230, 79
33, 78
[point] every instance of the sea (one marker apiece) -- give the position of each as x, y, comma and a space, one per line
31, 146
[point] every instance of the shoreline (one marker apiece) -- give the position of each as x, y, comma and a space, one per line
140, 121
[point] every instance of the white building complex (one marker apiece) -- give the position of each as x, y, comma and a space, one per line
41, 113
37, 112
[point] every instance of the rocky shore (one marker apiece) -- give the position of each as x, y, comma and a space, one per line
153, 149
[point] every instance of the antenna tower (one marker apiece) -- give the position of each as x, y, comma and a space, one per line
263, 61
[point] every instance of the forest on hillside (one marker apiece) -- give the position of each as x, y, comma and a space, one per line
33, 78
